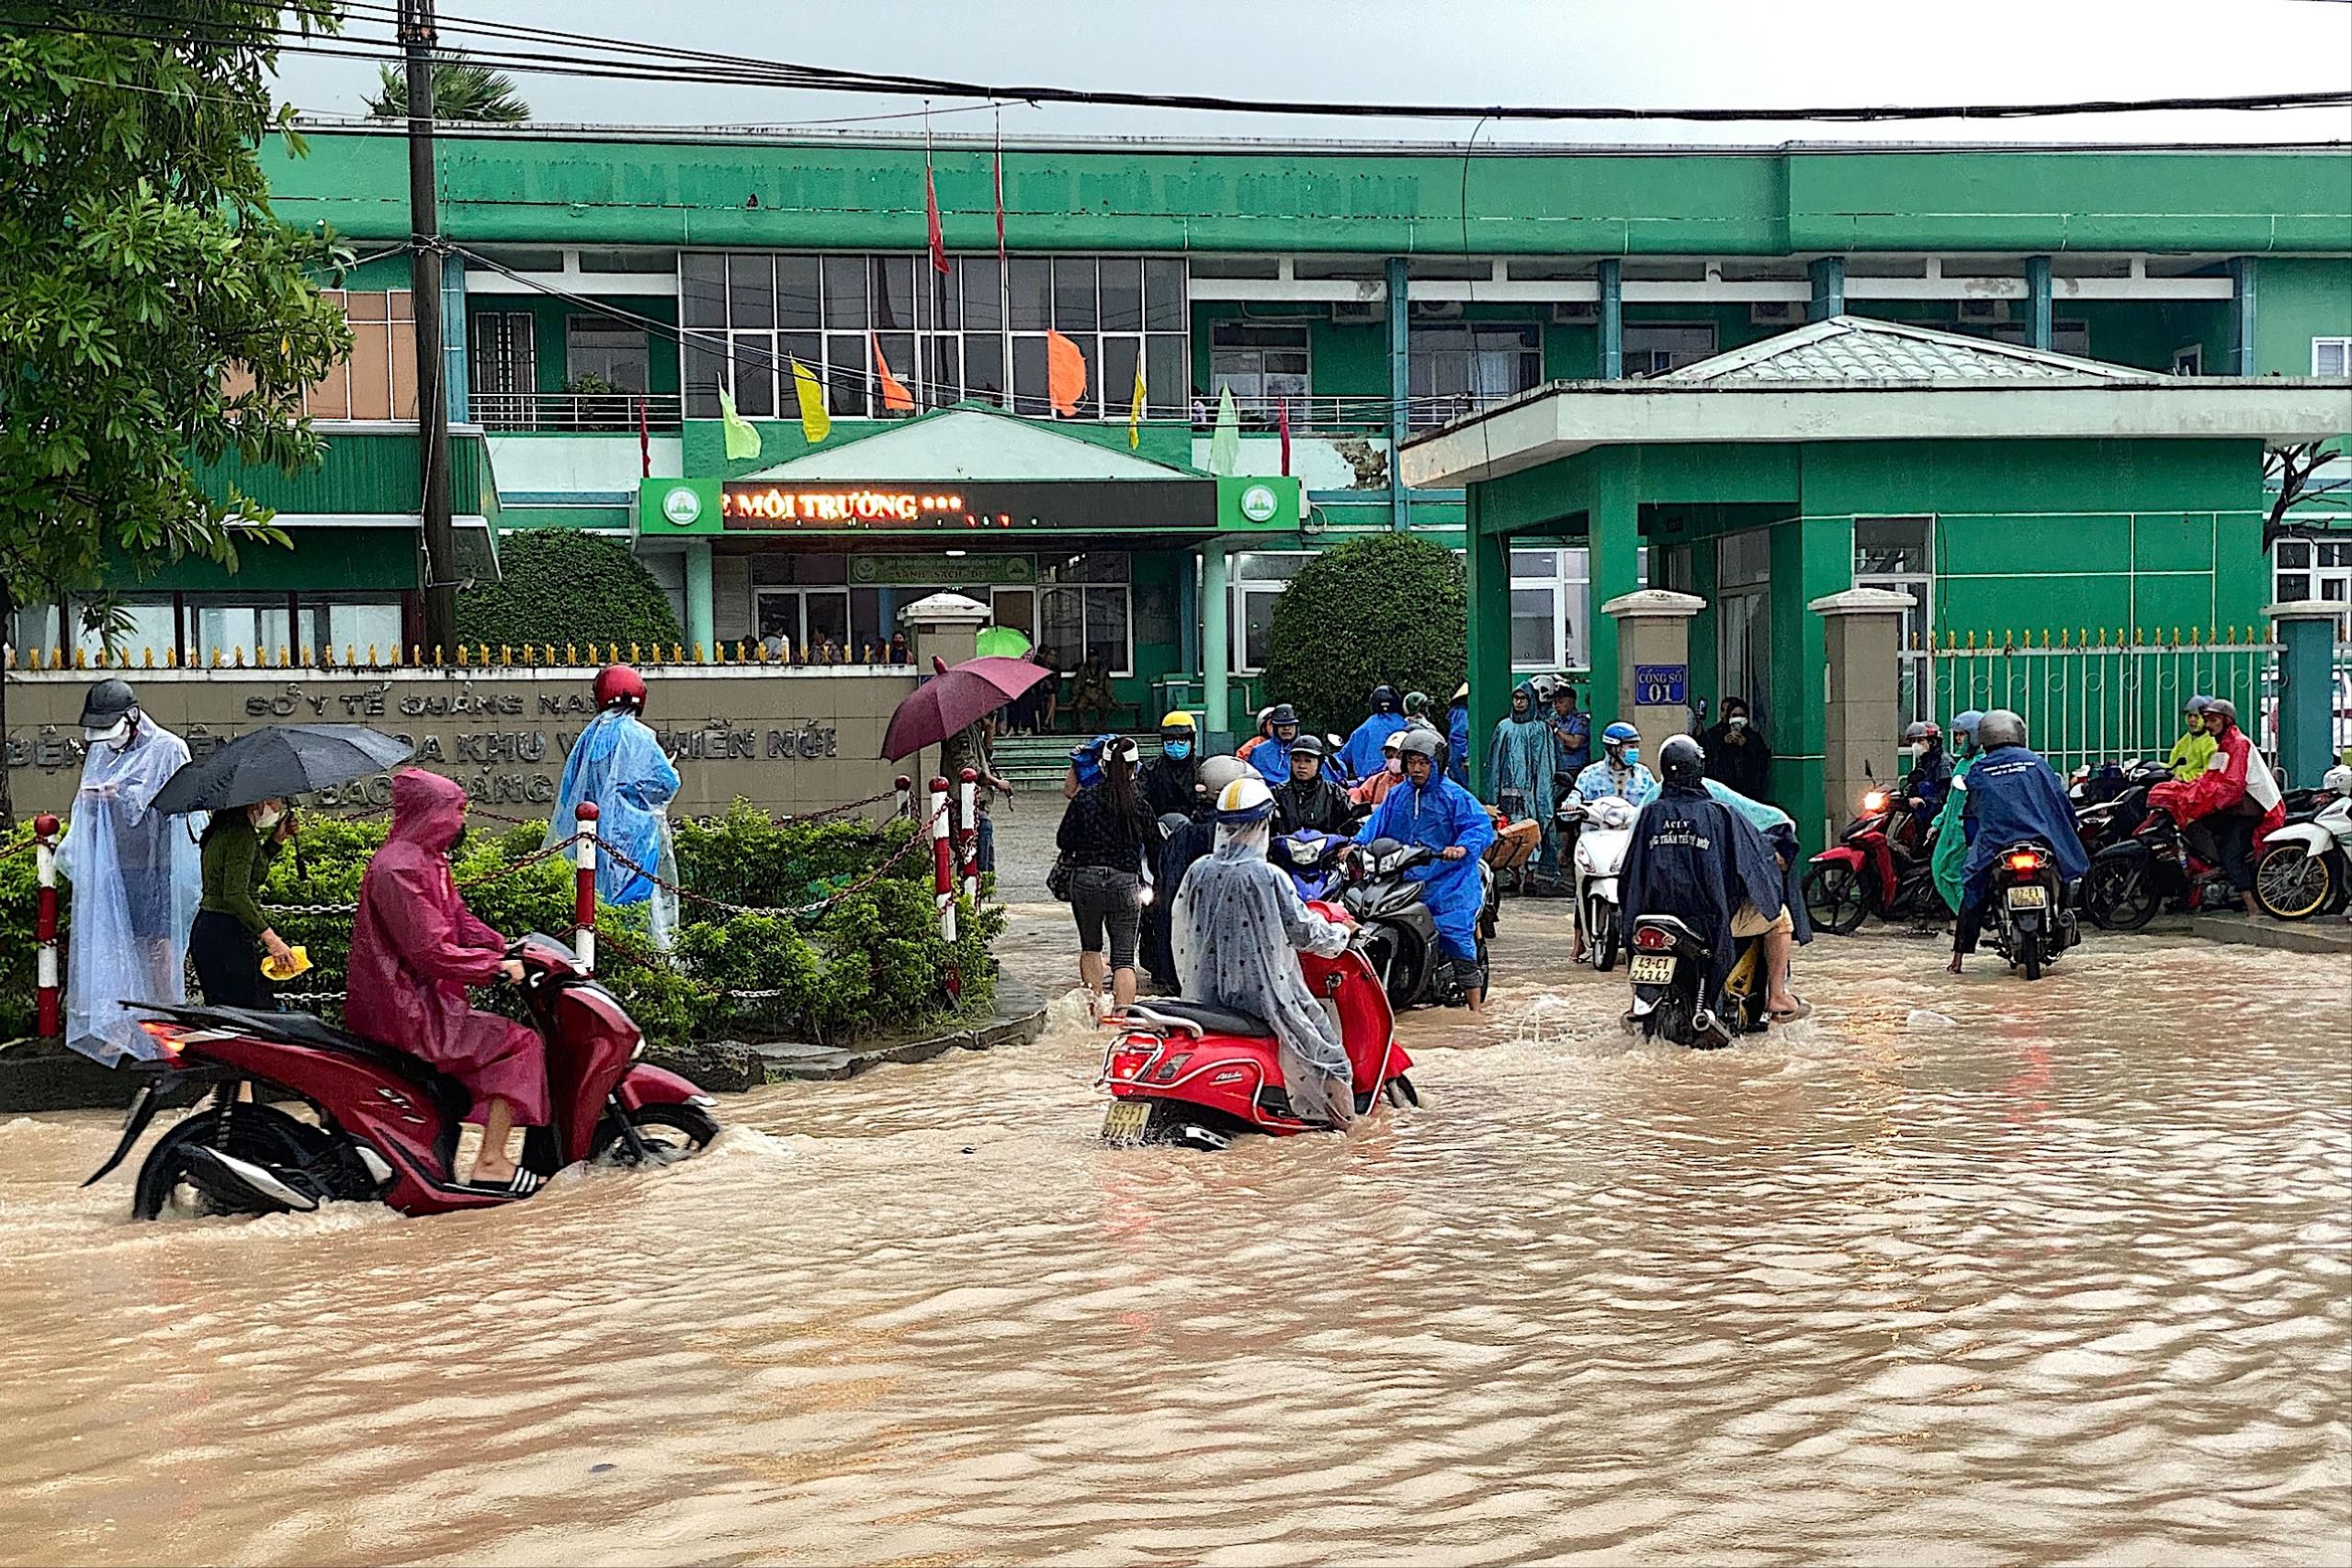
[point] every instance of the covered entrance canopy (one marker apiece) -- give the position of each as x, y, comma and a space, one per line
2035, 490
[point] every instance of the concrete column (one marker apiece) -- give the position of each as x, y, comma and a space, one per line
2306, 633
1611, 273
700, 620
1217, 644
1488, 561
457, 360
2240, 352
1653, 635
1400, 391
2037, 302
1614, 562
1828, 288
946, 627
1861, 723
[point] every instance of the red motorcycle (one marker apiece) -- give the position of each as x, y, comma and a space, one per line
388, 1121
1188, 1073
1879, 866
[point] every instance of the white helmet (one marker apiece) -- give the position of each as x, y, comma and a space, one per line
2337, 780
1245, 801
1219, 772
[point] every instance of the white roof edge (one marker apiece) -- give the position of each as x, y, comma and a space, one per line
1771, 348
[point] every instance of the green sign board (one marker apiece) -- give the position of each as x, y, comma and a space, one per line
932, 571
679, 508
1256, 503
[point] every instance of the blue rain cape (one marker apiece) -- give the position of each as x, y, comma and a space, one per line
2013, 795
1697, 860
1441, 815
137, 875
1520, 759
1457, 744
617, 764
1270, 757
1361, 755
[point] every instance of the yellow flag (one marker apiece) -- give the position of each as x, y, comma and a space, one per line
742, 441
815, 422
1134, 409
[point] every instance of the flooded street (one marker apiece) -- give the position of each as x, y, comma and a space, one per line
1956, 1271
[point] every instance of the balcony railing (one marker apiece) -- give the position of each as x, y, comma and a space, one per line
1345, 416
576, 412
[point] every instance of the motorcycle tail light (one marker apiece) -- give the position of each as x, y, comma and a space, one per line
2025, 860
170, 1039
1653, 939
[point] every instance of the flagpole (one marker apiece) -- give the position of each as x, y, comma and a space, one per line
1004, 266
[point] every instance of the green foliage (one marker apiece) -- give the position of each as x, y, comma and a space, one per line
1383, 609
462, 91
558, 586
19, 907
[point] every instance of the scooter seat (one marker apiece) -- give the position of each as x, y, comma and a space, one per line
1211, 1019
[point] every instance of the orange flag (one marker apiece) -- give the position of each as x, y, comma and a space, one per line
1065, 373
896, 398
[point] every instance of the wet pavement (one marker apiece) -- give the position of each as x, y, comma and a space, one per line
1959, 1270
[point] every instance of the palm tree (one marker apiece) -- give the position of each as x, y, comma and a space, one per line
460, 92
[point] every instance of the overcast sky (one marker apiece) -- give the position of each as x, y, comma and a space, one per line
1653, 53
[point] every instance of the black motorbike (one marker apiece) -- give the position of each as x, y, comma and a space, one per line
2026, 918
1669, 976
1399, 935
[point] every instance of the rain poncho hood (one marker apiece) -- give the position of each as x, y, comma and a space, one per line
1518, 763
137, 875
1440, 814
1697, 860
1360, 754
1237, 920
619, 764
415, 947
2011, 796
1950, 851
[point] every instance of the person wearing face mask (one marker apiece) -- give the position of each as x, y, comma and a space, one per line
1168, 779
1428, 808
1619, 771
1376, 785
1951, 852
1359, 757
1736, 754
136, 878
230, 931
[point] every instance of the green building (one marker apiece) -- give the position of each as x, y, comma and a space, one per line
603, 288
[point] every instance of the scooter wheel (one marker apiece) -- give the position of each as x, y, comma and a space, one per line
668, 1131
296, 1153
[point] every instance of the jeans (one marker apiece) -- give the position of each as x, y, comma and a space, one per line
1105, 902
986, 851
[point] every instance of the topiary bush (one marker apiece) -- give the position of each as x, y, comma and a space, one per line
560, 586
1383, 609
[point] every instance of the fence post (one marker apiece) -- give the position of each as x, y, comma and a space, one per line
583, 886
943, 867
2305, 736
45, 926
967, 828
906, 792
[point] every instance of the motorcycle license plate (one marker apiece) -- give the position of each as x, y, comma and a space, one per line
2029, 897
1124, 1121
1652, 969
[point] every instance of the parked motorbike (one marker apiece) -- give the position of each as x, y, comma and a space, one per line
1401, 935
1873, 869
1605, 830
1670, 974
2026, 918
388, 1121
2151, 868
1186, 1073
2306, 866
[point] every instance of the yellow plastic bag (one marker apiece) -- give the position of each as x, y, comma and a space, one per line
297, 963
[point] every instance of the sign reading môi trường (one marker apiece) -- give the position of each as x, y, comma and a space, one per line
756, 506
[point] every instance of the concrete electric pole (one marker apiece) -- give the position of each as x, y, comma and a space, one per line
440, 552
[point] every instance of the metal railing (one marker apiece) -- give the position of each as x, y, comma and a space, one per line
613, 413
1361, 416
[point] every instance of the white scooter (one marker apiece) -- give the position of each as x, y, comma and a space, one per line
1607, 828
2306, 867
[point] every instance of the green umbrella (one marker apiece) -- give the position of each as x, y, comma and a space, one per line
1000, 642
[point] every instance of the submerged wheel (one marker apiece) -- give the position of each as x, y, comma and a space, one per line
2292, 884
668, 1131
2029, 939
1605, 958
1834, 898
305, 1157
2120, 895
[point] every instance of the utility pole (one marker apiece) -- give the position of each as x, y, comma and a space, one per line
440, 554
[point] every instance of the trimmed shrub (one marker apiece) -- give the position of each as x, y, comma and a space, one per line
1384, 609
558, 586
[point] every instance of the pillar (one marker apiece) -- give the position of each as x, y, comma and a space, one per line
1828, 288
1650, 685
1400, 392
946, 627
1614, 565
1812, 558
2306, 635
700, 622
2037, 302
1862, 725
2240, 352
1216, 646
1487, 558
1611, 275
456, 361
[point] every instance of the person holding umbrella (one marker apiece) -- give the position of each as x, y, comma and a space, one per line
238, 846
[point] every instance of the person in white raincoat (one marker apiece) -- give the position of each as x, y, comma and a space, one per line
1237, 920
617, 764
136, 878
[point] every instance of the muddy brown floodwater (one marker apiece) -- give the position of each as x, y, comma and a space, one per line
1960, 1272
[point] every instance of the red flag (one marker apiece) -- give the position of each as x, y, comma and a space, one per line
931, 209
896, 398
1282, 424
644, 439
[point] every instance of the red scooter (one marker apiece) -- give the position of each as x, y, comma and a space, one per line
1187, 1073
1879, 866
388, 1121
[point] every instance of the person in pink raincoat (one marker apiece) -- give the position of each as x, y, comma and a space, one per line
414, 950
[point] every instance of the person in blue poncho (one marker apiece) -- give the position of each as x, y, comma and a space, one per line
2009, 796
1457, 737
1271, 756
619, 764
1427, 808
1519, 759
1359, 757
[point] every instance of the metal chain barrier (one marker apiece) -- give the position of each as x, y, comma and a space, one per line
558, 847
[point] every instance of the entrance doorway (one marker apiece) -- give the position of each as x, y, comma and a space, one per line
1744, 621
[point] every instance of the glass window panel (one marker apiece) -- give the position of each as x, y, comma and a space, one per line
943, 377
1075, 308
1102, 565
755, 373
2294, 586
1061, 623
983, 289
946, 303
1119, 374
702, 290
1532, 613
1090, 349
1257, 624
828, 616
1029, 293
1169, 388
1017, 608
2294, 552
1122, 295
797, 292
1163, 295
894, 293
898, 354
704, 370
1267, 566
866, 635
846, 373
361, 626
618, 354
1534, 563
984, 365
1896, 544
751, 291
1029, 375
845, 292
1106, 627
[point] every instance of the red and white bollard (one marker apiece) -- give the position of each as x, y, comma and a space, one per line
943, 861
53, 1023
583, 886
968, 817
905, 795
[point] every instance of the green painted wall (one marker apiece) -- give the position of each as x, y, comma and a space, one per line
361, 471
1343, 360
2298, 299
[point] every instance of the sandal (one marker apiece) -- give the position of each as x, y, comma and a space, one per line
1803, 1010
522, 1184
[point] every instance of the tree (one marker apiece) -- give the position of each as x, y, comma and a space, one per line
557, 586
2290, 472
461, 91
140, 266
1384, 609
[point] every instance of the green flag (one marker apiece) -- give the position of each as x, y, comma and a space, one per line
1225, 446
742, 441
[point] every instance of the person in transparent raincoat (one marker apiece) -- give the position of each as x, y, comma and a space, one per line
1237, 920
619, 764
136, 875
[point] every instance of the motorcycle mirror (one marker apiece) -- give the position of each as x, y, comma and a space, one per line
1866, 768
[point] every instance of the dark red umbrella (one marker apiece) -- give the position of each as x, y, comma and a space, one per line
955, 698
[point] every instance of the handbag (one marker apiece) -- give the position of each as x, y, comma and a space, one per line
1057, 879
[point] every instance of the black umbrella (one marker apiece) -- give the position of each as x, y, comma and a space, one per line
280, 760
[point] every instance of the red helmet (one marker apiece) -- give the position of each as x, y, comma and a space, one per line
617, 685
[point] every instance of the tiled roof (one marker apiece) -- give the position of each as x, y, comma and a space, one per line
1855, 348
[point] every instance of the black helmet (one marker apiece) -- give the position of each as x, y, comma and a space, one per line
1382, 699
1282, 714
1305, 746
107, 702
1681, 761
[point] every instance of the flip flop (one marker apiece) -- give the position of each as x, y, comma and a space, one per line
522, 1184
1803, 1010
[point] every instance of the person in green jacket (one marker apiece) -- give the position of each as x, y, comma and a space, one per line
231, 932
1950, 851
2193, 752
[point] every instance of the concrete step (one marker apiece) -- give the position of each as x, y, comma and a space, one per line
2323, 933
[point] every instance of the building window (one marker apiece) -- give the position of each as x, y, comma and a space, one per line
1897, 553
1260, 364
377, 381
1652, 349
1551, 595
1458, 367
2315, 568
980, 331
1082, 608
502, 367
615, 354
1259, 580
2332, 356
2189, 361
252, 625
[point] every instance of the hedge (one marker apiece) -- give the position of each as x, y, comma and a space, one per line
558, 586
1384, 609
